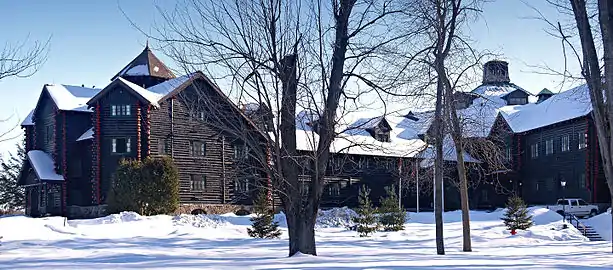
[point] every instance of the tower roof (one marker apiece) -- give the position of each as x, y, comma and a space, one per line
146, 64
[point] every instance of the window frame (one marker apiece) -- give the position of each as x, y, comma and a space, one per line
49, 130
115, 142
513, 100
121, 110
534, 150
581, 140
549, 147
565, 143
198, 178
201, 150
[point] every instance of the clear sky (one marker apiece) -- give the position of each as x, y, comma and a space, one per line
92, 40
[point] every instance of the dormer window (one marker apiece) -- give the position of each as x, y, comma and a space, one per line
518, 101
120, 110
382, 137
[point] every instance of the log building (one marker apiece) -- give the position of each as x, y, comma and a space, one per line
76, 136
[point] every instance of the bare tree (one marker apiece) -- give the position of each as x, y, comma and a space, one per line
591, 29
295, 60
19, 60
602, 111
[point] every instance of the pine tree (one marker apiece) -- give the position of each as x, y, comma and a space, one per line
263, 224
516, 217
391, 216
11, 194
366, 221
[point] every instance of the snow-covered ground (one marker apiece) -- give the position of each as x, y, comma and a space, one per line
128, 240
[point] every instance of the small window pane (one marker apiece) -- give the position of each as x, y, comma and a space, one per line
114, 147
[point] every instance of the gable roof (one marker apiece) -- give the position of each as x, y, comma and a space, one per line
87, 135
28, 121
146, 64
139, 92
69, 97
43, 166
499, 90
567, 105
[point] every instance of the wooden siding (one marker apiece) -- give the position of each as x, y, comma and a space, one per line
172, 122
541, 176
45, 116
123, 126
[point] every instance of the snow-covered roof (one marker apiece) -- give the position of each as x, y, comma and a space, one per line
152, 97
449, 153
43, 166
28, 121
146, 64
87, 135
561, 107
69, 97
167, 87
499, 90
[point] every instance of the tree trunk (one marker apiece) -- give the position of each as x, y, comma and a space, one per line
602, 112
301, 228
438, 164
458, 140
606, 28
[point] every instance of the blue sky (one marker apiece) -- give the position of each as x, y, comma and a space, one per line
92, 40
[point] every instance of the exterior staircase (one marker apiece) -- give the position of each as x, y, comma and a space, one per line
586, 230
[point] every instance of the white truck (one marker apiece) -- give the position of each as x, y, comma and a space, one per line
577, 207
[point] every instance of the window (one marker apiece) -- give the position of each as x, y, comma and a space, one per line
121, 145
241, 185
197, 115
198, 182
48, 134
334, 190
582, 139
549, 147
382, 137
163, 147
574, 203
582, 181
197, 148
564, 202
565, 143
534, 149
241, 151
507, 154
517, 101
120, 110
582, 202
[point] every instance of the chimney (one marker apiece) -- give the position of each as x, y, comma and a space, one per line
496, 72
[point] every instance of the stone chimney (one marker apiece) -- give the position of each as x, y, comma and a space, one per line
496, 71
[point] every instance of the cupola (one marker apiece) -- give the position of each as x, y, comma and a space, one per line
496, 72
145, 70
544, 95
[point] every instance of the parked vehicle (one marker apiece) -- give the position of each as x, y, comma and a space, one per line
577, 207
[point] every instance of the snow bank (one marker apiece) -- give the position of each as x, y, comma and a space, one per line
110, 219
601, 224
335, 217
200, 221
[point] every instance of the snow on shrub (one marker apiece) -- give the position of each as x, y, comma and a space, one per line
335, 217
